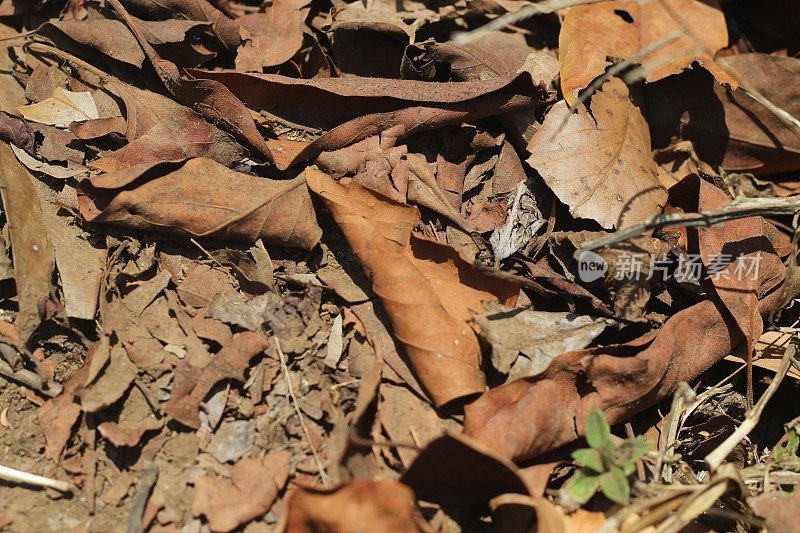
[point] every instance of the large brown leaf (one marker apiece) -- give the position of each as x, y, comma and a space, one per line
427, 289
171, 197
530, 416
375, 505
599, 163
275, 35
620, 28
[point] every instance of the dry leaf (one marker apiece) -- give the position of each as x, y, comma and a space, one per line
167, 197
254, 485
34, 259
621, 28
62, 109
599, 163
426, 288
363, 505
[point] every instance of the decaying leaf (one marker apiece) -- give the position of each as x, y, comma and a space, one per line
426, 288
254, 485
524, 342
167, 197
599, 163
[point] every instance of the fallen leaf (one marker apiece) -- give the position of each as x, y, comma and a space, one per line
113, 382
778, 508
729, 128
167, 197
34, 259
376, 505
606, 152
61, 109
627, 378
275, 35
591, 33
426, 288
524, 342
254, 485
192, 384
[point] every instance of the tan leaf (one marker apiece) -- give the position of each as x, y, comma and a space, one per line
253, 486
427, 289
62, 109
621, 28
599, 163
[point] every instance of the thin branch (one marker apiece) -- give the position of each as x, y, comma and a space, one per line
715, 458
322, 473
739, 208
540, 8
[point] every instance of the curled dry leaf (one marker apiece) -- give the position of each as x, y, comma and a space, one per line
225, 204
427, 289
592, 32
625, 379
375, 505
253, 487
599, 163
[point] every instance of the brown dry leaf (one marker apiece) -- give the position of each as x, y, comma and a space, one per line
113, 382
778, 508
599, 163
426, 288
80, 263
167, 197
209, 98
363, 505
729, 128
34, 259
621, 28
275, 35
253, 487
226, 30
193, 384
513, 420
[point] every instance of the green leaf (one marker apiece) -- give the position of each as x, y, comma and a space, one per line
615, 487
597, 431
582, 485
792, 442
590, 458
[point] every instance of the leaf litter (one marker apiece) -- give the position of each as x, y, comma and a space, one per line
310, 266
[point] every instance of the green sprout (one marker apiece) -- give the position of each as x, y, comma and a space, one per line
606, 465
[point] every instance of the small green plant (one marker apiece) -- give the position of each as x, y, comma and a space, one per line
606, 465
788, 452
